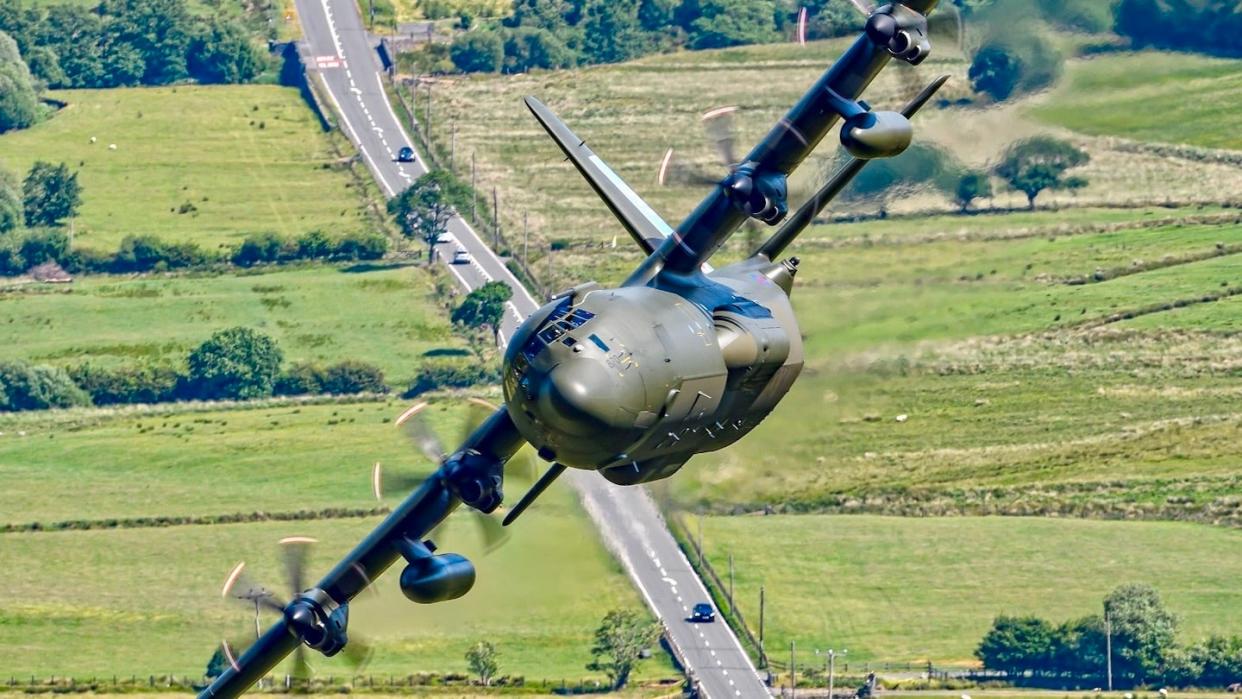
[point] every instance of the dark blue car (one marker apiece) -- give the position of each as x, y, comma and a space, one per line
703, 612
405, 155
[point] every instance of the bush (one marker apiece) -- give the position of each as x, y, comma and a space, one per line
350, 377
1014, 63
315, 245
10, 202
50, 194
527, 48
145, 252
26, 387
44, 246
127, 386
437, 376
238, 363
478, 52
299, 380
223, 53
261, 248
361, 246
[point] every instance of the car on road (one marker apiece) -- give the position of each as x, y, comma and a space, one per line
445, 239
703, 612
461, 257
405, 155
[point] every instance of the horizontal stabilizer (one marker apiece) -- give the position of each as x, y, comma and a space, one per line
641, 221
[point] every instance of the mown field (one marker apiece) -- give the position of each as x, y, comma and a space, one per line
247, 159
385, 314
147, 600
630, 118
1160, 97
901, 589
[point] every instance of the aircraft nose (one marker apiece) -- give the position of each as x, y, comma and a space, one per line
578, 397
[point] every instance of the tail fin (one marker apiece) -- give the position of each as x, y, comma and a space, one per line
774, 246
641, 221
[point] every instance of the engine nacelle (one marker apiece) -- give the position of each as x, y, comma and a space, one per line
763, 196
437, 578
876, 135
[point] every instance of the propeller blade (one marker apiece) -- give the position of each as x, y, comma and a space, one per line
301, 669
865, 8
477, 412
415, 427
358, 653
802, 17
720, 129
240, 586
295, 550
491, 531
521, 468
662, 177
385, 481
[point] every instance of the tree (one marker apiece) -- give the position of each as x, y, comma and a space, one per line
612, 32
222, 52
18, 101
424, 209
159, 32
10, 203
1017, 645
484, 308
1035, 164
971, 185
920, 165
26, 387
619, 643
1080, 648
50, 194
1143, 631
478, 52
732, 23
530, 47
44, 246
238, 364
482, 660
1014, 62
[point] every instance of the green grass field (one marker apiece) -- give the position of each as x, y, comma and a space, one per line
1161, 97
248, 158
384, 314
147, 600
896, 589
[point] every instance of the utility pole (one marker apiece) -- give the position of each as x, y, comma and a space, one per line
793, 672
700, 545
453, 150
526, 240
495, 221
474, 192
731, 583
830, 665
371, 4
1108, 648
427, 126
762, 655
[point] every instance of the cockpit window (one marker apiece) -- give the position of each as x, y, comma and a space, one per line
555, 327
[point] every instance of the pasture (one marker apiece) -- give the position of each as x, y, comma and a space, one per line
385, 314
899, 589
209, 164
147, 600
1155, 96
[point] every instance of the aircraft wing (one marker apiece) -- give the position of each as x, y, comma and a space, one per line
319, 615
900, 25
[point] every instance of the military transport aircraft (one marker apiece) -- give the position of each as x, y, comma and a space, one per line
633, 381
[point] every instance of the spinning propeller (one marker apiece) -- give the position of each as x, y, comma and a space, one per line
295, 551
414, 424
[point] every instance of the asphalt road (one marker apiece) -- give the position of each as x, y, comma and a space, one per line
629, 522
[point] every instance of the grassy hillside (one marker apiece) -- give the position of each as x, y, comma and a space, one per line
246, 158
1153, 96
896, 589
147, 600
383, 314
